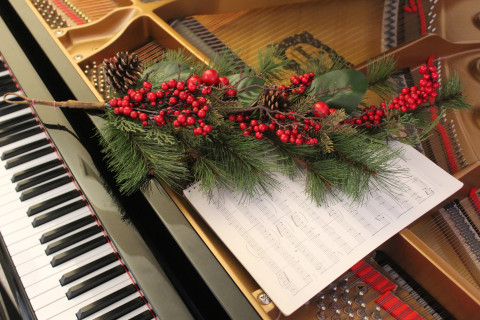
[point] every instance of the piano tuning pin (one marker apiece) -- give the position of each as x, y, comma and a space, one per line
344, 283
350, 316
321, 302
322, 314
334, 304
348, 308
345, 295
359, 298
376, 314
336, 316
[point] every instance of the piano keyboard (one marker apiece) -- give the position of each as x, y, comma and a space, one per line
64, 259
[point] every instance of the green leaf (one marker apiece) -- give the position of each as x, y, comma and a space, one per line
247, 96
340, 88
166, 70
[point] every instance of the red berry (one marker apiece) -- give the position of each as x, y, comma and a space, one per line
190, 121
159, 94
194, 80
172, 83
201, 100
147, 85
172, 100
258, 135
164, 86
182, 95
207, 128
116, 110
320, 109
134, 114
127, 110
151, 96
242, 126
201, 113
142, 116
231, 92
223, 81
180, 86
192, 87
181, 118
210, 77
138, 97
284, 138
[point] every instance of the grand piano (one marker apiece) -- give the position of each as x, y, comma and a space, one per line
150, 255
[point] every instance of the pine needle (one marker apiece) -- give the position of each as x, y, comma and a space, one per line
378, 75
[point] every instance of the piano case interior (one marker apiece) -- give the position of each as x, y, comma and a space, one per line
74, 36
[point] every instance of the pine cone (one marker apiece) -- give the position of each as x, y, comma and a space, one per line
274, 100
122, 70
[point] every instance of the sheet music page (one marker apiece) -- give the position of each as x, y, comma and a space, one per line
294, 249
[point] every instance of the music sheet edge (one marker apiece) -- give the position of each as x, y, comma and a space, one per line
294, 249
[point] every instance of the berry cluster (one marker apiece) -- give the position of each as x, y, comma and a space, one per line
408, 100
298, 84
289, 127
181, 103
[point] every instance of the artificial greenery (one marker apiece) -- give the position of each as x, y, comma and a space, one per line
346, 158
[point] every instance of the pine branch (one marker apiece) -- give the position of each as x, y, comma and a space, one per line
378, 75
321, 65
242, 163
271, 63
136, 155
450, 94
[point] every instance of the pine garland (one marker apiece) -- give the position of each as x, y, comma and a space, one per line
338, 150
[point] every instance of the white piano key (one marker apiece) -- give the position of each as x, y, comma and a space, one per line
26, 222
5, 73
131, 314
53, 287
36, 264
15, 195
62, 308
6, 174
13, 209
15, 114
37, 252
34, 241
29, 231
46, 271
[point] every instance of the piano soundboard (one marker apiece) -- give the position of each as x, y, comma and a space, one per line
72, 248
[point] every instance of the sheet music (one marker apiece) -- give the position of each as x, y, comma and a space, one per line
294, 249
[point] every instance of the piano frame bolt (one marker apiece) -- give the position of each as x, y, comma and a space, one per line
78, 57
263, 298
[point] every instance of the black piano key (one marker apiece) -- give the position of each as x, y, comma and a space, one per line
2, 67
23, 149
33, 192
106, 301
69, 227
47, 204
145, 315
31, 182
5, 79
19, 136
95, 281
28, 157
123, 309
8, 87
88, 269
77, 251
12, 108
13, 121
19, 126
72, 239
20, 175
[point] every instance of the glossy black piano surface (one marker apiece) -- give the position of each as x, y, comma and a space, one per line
166, 278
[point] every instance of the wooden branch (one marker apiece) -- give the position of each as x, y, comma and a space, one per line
74, 104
